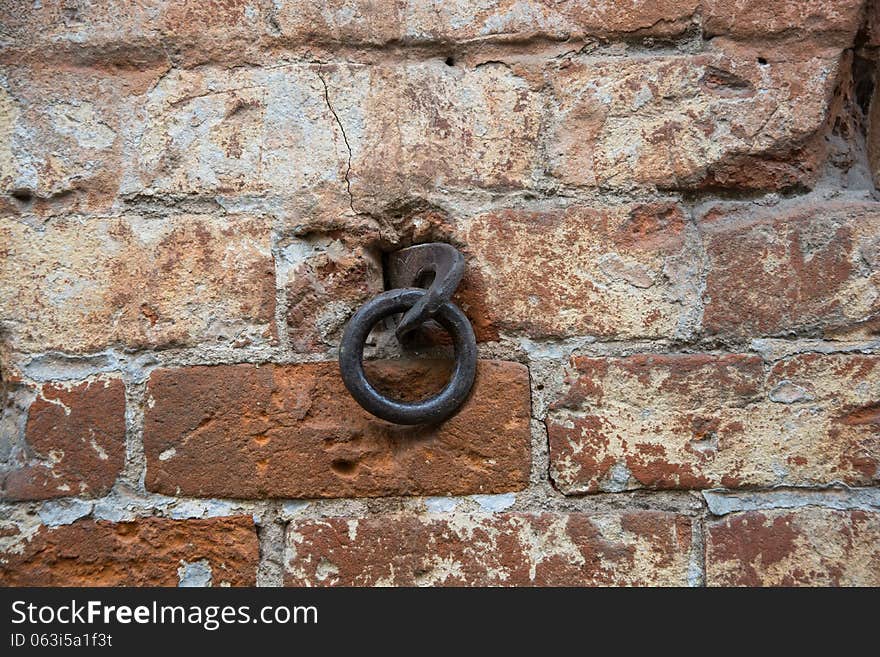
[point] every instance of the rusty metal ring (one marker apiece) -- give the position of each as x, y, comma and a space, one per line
432, 410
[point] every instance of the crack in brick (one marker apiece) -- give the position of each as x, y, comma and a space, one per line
344, 138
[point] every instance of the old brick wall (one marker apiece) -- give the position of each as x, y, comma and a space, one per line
672, 232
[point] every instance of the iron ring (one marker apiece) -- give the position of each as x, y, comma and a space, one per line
432, 410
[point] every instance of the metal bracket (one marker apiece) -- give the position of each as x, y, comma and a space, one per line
407, 269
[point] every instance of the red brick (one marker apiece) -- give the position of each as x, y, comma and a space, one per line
807, 547
148, 552
634, 548
75, 443
811, 267
292, 431
694, 421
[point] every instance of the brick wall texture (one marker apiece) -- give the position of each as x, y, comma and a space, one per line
670, 215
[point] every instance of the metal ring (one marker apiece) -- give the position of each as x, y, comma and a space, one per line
432, 410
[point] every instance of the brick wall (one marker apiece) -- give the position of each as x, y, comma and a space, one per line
672, 233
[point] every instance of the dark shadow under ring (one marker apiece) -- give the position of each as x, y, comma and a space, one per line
432, 410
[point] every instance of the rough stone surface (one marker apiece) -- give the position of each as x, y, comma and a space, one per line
807, 268
74, 443
147, 552
634, 548
703, 421
247, 431
615, 273
807, 547
81, 284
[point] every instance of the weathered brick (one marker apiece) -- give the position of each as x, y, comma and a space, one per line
193, 31
718, 118
870, 28
873, 128
613, 272
266, 131
353, 22
325, 282
807, 547
81, 284
815, 20
484, 124
63, 134
293, 431
811, 267
169, 169
125, 34
702, 421
366, 22
229, 31
721, 118
74, 443
634, 548
146, 552
830, 418
309, 136
733, 115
